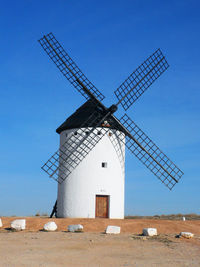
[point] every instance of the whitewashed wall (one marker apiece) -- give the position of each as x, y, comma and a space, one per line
77, 194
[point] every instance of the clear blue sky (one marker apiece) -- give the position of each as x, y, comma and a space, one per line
108, 40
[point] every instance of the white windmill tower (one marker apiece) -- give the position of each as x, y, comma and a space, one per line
95, 188
89, 164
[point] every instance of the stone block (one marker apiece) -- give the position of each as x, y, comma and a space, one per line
1, 224
75, 228
50, 226
149, 231
18, 224
186, 235
112, 229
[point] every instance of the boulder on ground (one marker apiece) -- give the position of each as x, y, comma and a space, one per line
112, 229
18, 224
50, 226
186, 234
75, 228
1, 224
149, 231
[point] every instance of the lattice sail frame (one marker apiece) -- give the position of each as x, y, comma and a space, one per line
75, 149
67, 66
172, 174
138, 82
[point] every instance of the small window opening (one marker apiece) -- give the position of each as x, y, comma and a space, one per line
87, 132
75, 133
104, 164
110, 134
99, 133
66, 134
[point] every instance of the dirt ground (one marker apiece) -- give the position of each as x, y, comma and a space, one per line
34, 247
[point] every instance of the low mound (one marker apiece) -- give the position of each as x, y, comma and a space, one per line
134, 226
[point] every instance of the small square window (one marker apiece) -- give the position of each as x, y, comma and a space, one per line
104, 164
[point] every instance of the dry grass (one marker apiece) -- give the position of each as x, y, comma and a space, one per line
179, 216
44, 214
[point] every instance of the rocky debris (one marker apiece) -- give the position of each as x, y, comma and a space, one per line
18, 225
75, 228
1, 224
149, 231
186, 235
112, 229
139, 237
50, 226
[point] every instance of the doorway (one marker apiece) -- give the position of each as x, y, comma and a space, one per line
102, 206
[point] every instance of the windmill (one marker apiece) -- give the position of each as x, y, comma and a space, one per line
89, 164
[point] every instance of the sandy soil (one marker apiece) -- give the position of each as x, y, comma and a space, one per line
34, 247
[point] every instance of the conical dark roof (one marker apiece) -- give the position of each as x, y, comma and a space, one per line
79, 118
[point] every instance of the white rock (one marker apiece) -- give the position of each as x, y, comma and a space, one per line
112, 229
50, 226
183, 218
1, 224
75, 228
18, 224
149, 231
186, 234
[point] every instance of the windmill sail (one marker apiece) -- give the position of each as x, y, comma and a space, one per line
150, 155
76, 148
68, 67
138, 82
95, 126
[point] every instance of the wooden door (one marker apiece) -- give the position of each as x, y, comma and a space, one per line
102, 206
